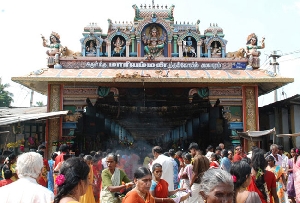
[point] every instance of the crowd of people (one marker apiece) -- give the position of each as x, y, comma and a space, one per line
115, 176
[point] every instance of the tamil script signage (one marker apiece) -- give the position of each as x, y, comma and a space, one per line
153, 65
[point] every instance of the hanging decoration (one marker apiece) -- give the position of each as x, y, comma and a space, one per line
15, 144
103, 91
203, 92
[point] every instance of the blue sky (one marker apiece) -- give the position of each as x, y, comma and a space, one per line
23, 22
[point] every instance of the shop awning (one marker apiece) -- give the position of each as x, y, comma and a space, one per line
256, 135
25, 117
289, 135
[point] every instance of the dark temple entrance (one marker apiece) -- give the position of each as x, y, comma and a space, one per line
154, 116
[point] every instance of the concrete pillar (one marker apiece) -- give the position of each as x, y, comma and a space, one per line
169, 48
285, 127
108, 49
175, 37
195, 127
223, 52
272, 125
250, 112
295, 123
209, 52
132, 37
117, 130
277, 124
138, 46
180, 49
112, 128
107, 124
53, 126
127, 49
189, 129
198, 50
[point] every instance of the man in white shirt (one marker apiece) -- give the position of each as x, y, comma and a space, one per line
274, 152
285, 159
26, 189
167, 166
104, 164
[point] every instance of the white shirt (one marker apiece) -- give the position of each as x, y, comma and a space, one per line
25, 190
280, 160
285, 162
208, 154
167, 168
104, 163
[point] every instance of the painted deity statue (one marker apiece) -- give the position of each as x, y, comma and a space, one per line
154, 42
118, 45
187, 47
252, 51
91, 49
55, 48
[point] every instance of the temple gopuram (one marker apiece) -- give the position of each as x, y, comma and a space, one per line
152, 81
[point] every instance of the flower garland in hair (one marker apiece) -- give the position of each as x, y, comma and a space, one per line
60, 179
234, 178
259, 173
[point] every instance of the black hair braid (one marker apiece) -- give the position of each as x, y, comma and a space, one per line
241, 170
259, 164
234, 195
296, 154
260, 183
74, 170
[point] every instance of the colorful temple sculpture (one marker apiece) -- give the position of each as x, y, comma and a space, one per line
152, 80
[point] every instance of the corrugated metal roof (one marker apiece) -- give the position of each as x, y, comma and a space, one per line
25, 117
14, 111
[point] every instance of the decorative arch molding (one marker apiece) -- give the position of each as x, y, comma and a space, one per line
116, 93
210, 40
84, 40
148, 21
103, 92
118, 32
189, 34
202, 92
98, 40
191, 94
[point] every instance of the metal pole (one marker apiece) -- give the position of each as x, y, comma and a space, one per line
31, 98
274, 62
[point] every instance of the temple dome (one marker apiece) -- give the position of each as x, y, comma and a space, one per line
213, 29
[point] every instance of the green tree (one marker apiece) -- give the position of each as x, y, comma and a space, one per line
39, 103
5, 96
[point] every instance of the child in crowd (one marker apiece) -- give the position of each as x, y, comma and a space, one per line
159, 188
7, 180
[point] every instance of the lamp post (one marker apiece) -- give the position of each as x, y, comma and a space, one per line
274, 62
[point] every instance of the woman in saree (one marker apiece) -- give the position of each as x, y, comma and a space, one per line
280, 178
296, 171
140, 194
262, 181
97, 169
88, 197
112, 178
290, 183
50, 174
159, 188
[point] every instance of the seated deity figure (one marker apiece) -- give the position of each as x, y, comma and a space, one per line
216, 51
189, 42
187, 47
91, 49
252, 51
55, 48
118, 49
154, 42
